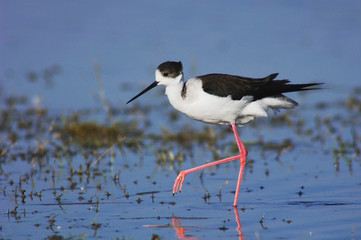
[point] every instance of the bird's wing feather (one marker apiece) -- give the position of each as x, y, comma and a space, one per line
224, 85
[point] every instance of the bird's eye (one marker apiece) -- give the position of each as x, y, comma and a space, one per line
165, 74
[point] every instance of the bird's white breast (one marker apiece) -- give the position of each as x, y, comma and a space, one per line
205, 107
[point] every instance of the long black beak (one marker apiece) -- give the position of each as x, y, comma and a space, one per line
154, 84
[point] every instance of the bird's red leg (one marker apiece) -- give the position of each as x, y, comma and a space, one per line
178, 184
243, 153
180, 179
241, 147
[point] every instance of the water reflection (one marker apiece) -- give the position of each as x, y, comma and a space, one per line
180, 230
186, 232
239, 225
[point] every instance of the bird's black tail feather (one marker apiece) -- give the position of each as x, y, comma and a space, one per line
300, 87
278, 87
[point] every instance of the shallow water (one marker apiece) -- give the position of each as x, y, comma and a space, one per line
78, 163
304, 191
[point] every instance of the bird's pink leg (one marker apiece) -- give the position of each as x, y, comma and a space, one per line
243, 154
178, 184
241, 147
180, 179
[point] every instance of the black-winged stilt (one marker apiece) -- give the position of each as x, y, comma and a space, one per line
223, 99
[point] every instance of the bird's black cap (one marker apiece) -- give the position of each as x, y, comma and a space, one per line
171, 69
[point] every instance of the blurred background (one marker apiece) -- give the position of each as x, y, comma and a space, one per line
48, 49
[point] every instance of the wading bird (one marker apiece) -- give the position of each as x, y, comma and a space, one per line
223, 99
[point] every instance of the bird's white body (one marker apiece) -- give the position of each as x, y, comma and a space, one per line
209, 108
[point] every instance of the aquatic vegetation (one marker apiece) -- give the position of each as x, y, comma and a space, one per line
91, 135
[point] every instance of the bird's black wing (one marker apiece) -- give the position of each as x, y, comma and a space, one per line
224, 85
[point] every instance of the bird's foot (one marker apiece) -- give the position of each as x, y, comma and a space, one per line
178, 183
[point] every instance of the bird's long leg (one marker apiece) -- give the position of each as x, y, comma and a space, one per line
241, 147
180, 179
178, 184
243, 153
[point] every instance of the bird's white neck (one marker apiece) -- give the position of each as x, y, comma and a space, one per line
174, 93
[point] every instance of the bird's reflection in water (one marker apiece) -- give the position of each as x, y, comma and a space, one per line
186, 232
180, 230
239, 225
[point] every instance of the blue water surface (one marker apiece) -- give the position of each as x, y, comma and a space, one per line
303, 41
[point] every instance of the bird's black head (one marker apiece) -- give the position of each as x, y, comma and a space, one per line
170, 69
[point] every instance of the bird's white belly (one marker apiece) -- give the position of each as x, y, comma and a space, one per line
223, 112
209, 108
